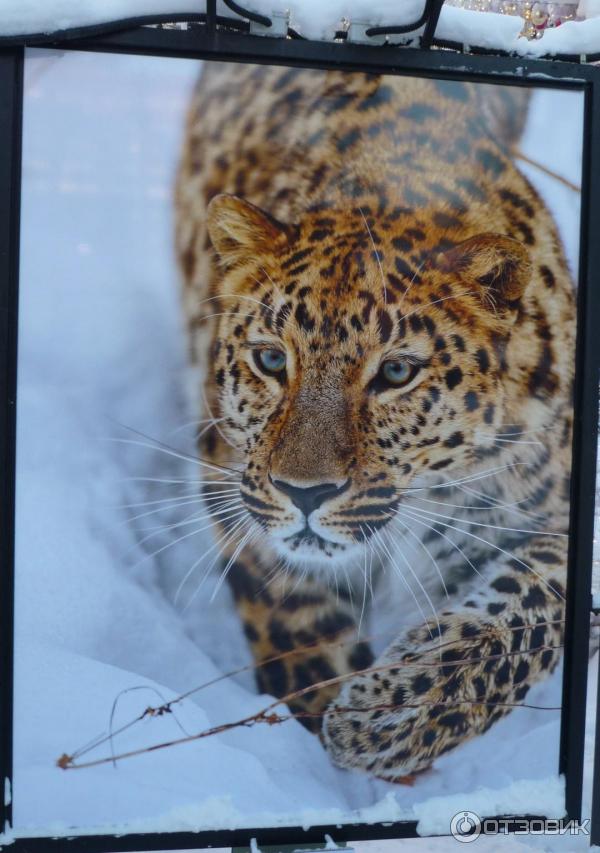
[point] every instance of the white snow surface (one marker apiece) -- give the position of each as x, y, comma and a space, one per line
102, 353
315, 19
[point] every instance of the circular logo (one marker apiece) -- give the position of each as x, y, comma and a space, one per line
466, 826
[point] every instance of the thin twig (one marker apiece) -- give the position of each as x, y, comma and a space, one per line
546, 170
267, 714
329, 641
65, 761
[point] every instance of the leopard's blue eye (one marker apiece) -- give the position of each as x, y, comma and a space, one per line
398, 373
270, 360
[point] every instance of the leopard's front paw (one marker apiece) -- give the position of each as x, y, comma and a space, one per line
423, 697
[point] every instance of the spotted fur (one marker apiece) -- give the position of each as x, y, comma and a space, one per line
347, 220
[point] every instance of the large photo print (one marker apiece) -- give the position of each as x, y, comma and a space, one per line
297, 350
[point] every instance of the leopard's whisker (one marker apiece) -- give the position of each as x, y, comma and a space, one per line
496, 503
400, 574
349, 586
278, 289
218, 512
288, 569
376, 253
367, 569
154, 531
375, 546
271, 308
334, 574
176, 482
280, 570
156, 444
437, 301
544, 429
273, 574
223, 314
171, 544
252, 533
223, 542
506, 553
173, 500
444, 536
211, 496
165, 502
371, 557
429, 554
198, 499
236, 296
186, 457
505, 507
410, 284
365, 586
288, 574
212, 425
197, 423
515, 441
192, 518
486, 525
504, 439
471, 478
300, 579
217, 427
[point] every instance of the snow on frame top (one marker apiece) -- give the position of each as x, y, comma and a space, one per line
314, 19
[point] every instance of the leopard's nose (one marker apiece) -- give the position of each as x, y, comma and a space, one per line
309, 498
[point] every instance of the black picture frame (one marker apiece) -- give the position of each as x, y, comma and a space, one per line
205, 42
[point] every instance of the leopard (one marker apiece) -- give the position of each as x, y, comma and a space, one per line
380, 322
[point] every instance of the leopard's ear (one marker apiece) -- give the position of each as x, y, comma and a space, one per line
500, 265
239, 230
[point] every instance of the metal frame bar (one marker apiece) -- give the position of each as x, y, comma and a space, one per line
428, 20
209, 43
595, 816
11, 112
593, 218
583, 481
225, 44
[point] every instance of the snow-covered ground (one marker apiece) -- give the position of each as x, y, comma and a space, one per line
102, 354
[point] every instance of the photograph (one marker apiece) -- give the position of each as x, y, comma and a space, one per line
294, 445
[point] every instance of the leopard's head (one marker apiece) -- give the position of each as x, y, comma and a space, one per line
355, 359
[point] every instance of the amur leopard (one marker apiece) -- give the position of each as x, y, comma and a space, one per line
381, 312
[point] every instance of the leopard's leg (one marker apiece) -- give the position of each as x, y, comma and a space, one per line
306, 630
425, 696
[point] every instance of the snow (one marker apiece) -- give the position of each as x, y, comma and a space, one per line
501, 32
543, 797
315, 19
319, 20
572, 37
32, 16
100, 347
467, 27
